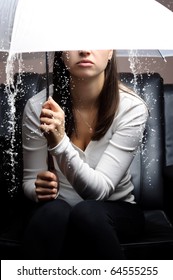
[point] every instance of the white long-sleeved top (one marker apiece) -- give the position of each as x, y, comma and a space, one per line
101, 171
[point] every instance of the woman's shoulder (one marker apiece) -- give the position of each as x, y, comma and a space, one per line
131, 108
129, 98
40, 97
34, 104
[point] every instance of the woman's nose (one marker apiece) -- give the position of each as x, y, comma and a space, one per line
84, 52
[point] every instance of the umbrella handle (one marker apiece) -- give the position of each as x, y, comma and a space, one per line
50, 162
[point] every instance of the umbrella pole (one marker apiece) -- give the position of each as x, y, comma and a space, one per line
47, 75
49, 158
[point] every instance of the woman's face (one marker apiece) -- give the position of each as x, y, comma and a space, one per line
86, 63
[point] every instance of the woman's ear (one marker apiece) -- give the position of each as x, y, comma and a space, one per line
110, 55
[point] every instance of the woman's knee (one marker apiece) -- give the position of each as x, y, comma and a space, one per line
55, 209
50, 213
86, 214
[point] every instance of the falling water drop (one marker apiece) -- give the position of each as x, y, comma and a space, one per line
134, 66
11, 90
137, 68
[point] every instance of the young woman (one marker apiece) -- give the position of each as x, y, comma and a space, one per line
91, 126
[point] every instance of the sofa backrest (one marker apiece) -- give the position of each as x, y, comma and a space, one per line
168, 101
147, 166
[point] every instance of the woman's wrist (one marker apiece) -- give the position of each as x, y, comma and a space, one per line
59, 148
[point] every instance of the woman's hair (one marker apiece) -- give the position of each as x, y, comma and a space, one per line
108, 99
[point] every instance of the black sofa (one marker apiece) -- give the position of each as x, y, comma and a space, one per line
151, 168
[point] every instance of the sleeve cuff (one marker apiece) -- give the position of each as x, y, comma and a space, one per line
58, 149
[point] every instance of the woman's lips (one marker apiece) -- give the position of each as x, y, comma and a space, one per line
85, 62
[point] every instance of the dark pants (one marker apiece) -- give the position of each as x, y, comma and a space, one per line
89, 230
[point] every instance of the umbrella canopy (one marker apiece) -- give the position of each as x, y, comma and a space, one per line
145, 53
38, 26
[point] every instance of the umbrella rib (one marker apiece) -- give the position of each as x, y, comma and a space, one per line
162, 56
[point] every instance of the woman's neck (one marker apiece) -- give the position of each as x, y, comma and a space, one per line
85, 92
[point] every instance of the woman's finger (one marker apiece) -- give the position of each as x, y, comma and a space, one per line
47, 197
47, 176
44, 191
51, 104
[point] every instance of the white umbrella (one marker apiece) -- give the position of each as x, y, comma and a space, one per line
52, 25
49, 25
40, 25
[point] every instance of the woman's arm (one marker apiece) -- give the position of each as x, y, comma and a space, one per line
34, 148
100, 183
